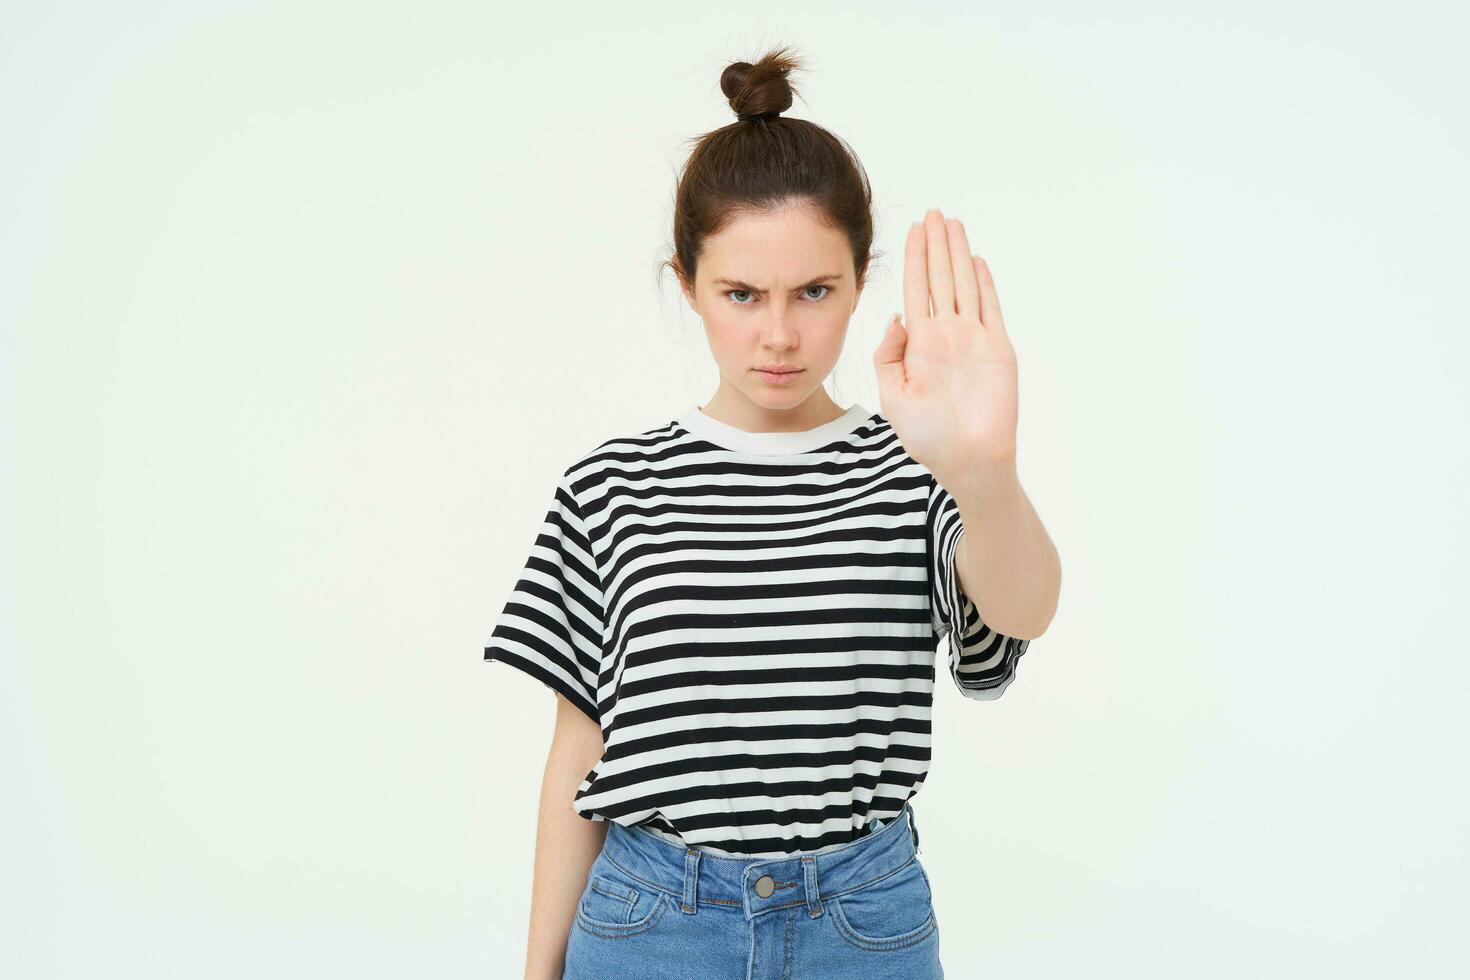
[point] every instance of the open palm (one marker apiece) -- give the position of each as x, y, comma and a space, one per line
946, 369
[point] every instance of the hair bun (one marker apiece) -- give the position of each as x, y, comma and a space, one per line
760, 90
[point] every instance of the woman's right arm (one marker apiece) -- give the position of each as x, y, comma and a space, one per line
566, 843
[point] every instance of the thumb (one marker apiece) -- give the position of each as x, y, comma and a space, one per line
888, 357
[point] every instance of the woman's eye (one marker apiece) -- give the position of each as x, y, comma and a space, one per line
740, 296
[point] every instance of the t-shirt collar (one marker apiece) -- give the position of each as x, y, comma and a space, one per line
772, 443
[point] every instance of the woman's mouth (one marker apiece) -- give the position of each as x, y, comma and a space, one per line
778, 375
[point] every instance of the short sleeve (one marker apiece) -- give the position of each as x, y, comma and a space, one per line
551, 626
981, 661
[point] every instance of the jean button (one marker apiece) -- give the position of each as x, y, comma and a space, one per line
765, 886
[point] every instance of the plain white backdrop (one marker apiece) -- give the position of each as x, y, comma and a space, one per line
304, 307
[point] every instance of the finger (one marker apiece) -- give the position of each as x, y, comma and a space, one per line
915, 276
966, 283
941, 274
989, 299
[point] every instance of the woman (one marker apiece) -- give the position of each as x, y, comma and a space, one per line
739, 609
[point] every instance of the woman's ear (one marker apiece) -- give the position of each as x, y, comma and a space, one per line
689, 297
686, 286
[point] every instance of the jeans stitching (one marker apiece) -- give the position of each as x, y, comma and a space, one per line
610, 930
903, 941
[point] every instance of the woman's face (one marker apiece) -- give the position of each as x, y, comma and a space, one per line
775, 289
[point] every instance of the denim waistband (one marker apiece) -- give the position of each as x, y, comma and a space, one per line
694, 877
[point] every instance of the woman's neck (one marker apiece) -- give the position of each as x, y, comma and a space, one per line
732, 407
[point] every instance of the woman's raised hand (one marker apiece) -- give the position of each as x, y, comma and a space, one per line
946, 369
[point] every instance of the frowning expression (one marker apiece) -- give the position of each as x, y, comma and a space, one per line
776, 290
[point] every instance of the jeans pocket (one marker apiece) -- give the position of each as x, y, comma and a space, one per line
608, 901
893, 913
614, 906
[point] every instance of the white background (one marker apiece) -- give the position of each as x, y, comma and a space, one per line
306, 306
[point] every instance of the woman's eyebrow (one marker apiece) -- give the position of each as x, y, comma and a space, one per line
737, 284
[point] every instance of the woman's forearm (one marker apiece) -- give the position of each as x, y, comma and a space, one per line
1006, 562
566, 843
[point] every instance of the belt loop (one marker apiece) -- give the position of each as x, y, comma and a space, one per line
913, 826
690, 903
809, 875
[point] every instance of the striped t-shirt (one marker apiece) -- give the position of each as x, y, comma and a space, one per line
753, 619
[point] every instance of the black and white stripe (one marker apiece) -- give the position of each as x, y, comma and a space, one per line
753, 619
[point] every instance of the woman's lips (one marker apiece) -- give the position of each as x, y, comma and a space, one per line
778, 377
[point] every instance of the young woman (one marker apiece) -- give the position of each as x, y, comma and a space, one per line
740, 609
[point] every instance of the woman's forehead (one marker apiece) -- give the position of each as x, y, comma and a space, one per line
785, 247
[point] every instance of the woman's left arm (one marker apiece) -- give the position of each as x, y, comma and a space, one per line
947, 381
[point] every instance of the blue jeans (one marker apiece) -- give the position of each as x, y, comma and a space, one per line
652, 909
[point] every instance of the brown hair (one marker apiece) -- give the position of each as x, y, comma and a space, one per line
763, 161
